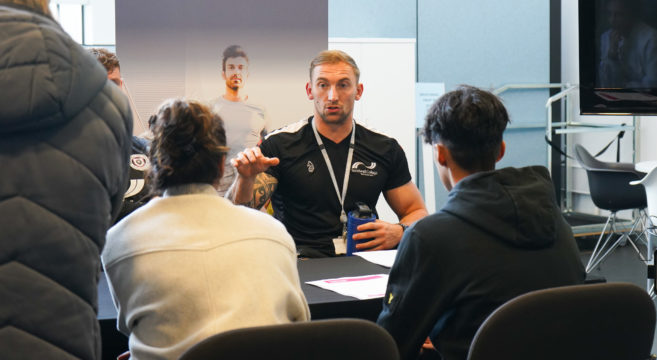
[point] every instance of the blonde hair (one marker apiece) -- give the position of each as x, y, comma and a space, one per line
334, 57
41, 6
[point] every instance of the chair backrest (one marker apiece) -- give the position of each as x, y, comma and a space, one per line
609, 183
649, 182
588, 162
342, 339
598, 321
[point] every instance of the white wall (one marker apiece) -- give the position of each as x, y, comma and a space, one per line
99, 22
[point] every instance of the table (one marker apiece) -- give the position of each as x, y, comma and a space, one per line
323, 304
326, 304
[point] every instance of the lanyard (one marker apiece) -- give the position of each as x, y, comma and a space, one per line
345, 183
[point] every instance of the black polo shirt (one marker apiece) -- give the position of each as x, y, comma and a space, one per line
305, 199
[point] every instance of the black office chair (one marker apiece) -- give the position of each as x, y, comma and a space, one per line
342, 339
600, 321
609, 185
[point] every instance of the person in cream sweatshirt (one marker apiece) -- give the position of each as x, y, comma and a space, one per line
190, 264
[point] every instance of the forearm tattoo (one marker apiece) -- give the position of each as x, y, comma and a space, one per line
264, 187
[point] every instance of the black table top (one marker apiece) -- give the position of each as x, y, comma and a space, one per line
323, 303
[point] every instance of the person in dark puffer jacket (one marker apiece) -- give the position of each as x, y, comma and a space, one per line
64, 148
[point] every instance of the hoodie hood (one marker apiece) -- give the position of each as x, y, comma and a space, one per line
46, 78
517, 206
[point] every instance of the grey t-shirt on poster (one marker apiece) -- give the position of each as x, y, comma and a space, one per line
245, 124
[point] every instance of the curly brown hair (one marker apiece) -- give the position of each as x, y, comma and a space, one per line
189, 145
107, 58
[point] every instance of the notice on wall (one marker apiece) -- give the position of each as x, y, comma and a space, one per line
425, 95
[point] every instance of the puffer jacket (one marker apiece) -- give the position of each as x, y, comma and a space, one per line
64, 148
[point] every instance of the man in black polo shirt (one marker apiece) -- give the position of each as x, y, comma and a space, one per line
318, 168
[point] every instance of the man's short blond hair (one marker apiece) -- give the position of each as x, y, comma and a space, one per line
41, 6
334, 57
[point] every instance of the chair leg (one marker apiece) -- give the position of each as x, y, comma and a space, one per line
603, 248
638, 223
649, 236
649, 233
597, 255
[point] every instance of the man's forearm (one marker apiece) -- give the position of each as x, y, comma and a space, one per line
414, 216
241, 191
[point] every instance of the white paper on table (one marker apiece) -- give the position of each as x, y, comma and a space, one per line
380, 257
361, 287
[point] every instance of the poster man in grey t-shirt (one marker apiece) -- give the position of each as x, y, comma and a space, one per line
245, 123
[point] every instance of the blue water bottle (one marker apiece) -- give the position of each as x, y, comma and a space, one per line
363, 214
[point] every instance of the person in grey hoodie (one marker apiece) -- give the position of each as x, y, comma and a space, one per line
64, 149
500, 234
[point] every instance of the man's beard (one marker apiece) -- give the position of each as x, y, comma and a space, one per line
339, 121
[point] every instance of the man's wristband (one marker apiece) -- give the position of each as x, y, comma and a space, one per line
403, 226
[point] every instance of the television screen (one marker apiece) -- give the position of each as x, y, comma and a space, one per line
618, 56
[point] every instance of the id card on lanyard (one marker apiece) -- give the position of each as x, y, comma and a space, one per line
340, 242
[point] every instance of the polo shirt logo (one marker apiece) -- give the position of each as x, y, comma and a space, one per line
139, 162
365, 170
310, 166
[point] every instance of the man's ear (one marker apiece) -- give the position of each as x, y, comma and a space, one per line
502, 150
309, 91
441, 154
223, 74
359, 91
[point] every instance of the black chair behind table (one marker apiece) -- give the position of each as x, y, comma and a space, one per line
600, 321
342, 339
609, 185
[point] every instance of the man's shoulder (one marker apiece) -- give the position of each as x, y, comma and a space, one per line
375, 139
289, 131
260, 109
220, 102
373, 132
441, 218
646, 32
424, 230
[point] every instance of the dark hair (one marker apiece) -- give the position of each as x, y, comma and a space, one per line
334, 57
470, 123
107, 58
232, 51
188, 145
